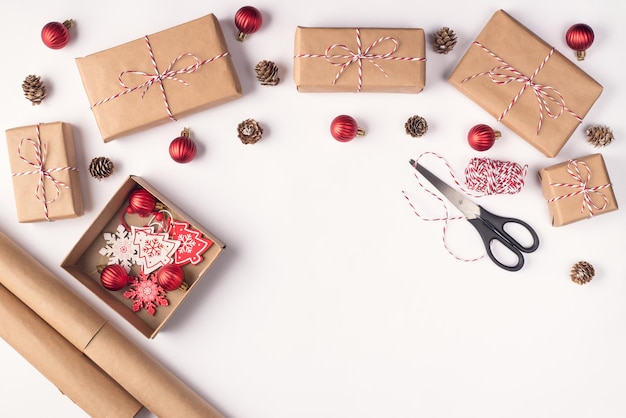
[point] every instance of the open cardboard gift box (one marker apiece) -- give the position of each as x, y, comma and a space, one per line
93, 252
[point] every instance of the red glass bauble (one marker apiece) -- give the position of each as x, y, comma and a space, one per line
248, 20
56, 35
344, 128
170, 276
183, 149
579, 37
114, 277
141, 202
481, 137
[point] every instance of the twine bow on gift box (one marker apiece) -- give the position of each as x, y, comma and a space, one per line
41, 152
343, 61
581, 187
506, 73
157, 77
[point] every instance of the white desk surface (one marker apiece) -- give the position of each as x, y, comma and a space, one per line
332, 299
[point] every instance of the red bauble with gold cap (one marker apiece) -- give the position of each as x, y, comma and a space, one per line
182, 148
170, 276
248, 20
114, 277
141, 202
481, 137
579, 37
344, 128
56, 35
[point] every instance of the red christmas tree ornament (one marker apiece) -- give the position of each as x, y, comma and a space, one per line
481, 137
344, 128
56, 35
170, 277
182, 148
579, 37
114, 277
248, 20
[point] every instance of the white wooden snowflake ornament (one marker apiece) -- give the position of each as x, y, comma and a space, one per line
119, 248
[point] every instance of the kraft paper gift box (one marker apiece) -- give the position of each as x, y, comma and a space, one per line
525, 83
86, 257
387, 60
160, 77
577, 189
47, 323
46, 183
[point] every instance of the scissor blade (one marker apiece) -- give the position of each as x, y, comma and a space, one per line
469, 209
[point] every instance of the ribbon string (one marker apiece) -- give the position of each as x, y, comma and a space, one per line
581, 187
546, 95
343, 61
41, 153
158, 78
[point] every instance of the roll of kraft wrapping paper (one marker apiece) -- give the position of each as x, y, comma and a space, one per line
61, 363
138, 373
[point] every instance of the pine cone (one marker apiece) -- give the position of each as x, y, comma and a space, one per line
34, 89
582, 272
444, 40
249, 131
101, 167
267, 73
416, 126
599, 136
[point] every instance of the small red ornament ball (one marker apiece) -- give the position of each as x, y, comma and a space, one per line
344, 128
579, 37
248, 20
114, 277
481, 137
182, 148
170, 276
56, 35
141, 202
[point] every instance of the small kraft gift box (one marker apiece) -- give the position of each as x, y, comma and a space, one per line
143, 255
577, 189
359, 60
46, 183
159, 78
525, 83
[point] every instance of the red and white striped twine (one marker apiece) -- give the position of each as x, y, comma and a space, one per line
495, 177
506, 73
156, 77
581, 187
343, 61
41, 151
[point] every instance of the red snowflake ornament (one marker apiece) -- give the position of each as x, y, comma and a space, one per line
154, 250
192, 243
146, 293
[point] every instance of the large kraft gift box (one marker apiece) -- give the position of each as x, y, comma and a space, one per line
359, 59
80, 351
192, 70
86, 257
526, 84
577, 189
46, 183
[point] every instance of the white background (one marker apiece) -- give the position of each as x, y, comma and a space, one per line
332, 298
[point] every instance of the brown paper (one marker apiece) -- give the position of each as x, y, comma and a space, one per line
211, 84
83, 259
524, 51
565, 210
56, 145
61, 363
135, 370
398, 75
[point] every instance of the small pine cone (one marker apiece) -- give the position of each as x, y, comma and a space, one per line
599, 136
101, 167
34, 89
444, 40
416, 126
267, 73
582, 272
249, 131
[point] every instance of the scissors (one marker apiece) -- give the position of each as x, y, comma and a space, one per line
489, 226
